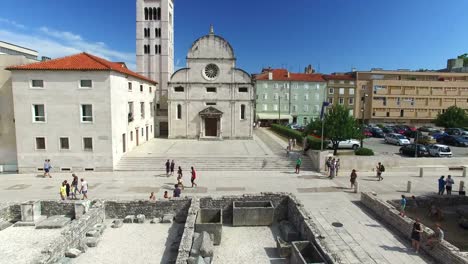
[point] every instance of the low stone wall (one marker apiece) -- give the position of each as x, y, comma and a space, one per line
10, 212
151, 209
189, 230
442, 253
54, 207
318, 159
73, 235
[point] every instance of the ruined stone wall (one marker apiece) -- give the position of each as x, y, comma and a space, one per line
439, 200
279, 200
10, 212
189, 230
442, 253
58, 207
151, 209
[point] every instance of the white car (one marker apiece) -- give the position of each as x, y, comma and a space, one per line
347, 144
438, 150
396, 139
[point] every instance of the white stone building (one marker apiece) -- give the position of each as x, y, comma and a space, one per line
211, 98
155, 51
10, 55
80, 111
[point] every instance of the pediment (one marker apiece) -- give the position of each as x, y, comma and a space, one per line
210, 111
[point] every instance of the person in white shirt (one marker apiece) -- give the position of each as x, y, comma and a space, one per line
448, 184
84, 188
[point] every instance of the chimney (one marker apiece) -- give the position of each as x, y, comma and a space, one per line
289, 76
270, 75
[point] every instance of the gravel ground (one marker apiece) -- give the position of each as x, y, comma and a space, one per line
24, 244
248, 245
132, 243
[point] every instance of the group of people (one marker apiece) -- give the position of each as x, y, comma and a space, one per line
445, 185
332, 166
179, 186
292, 143
69, 191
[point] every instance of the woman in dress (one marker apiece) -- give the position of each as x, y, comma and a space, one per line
416, 235
353, 178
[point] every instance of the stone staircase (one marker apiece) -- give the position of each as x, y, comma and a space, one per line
275, 163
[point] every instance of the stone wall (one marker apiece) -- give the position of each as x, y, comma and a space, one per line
151, 209
442, 253
10, 212
58, 207
73, 235
189, 230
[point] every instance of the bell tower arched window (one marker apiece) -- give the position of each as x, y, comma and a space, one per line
179, 111
146, 13
151, 14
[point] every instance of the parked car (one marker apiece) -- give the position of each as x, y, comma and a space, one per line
396, 139
347, 144
438, 150
411, 149
456, 131
377, 132
425, 140
458, 141
400, 130
388, 129
437, 131
428, 129
367, 133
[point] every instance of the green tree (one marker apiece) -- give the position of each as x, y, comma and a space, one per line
465, 59
452, 117
338, 126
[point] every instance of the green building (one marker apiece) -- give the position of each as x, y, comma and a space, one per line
288, 97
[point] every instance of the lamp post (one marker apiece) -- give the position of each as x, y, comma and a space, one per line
363, 110
322, 117
279, 110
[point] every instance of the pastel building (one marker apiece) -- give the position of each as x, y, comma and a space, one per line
81, 112
288, 97
341, 90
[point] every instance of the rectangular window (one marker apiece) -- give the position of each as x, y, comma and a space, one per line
351, 82
142, 110
265, 96
276, 96
295, 97
131, 135
179, 111
150, 89
351, 91
38, 113
294, 108
179, 89
151, 109
242, 112
86, 83
243, 90
342, 82
275, 107
306, 108
88, 144
86, 113
330, 100
211, 89
341, 91
142, 132
331, 91
141, 87
341, 100
351, 112
40, 143
331, 81
130, 87
37, 83
306, 97
351, 101
265, 107
64, 143
317, 97
287, 96
210, 103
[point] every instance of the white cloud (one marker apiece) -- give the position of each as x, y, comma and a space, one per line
12, 23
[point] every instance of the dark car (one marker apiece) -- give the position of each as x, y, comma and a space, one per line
456, 131
367, 133
388, 129
427, 129
400, 130
458, 141
410, 150
377, 132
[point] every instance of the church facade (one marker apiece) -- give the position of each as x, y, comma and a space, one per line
211, 98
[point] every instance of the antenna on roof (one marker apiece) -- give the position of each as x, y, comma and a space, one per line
211, 29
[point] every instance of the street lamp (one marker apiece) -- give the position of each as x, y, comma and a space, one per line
363, 110
322, 117
279, 110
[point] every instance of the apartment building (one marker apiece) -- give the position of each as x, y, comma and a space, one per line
80, 111
404, 96
341, 89
288, 97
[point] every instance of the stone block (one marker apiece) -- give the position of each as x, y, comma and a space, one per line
93, 233
304, 252
40, 219
206, 248
284, 248
30, 211
100, 227
92, 241
192, 260
129, 219
253, 213
207, 260
167, 218
72, 253
4, 224
117, 223
81, 208
200, 260
197, 241
55, 221
140, 219
288, 231
154, 220
211, 221
64, 260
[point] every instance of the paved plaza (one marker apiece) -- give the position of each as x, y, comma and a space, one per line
361, 239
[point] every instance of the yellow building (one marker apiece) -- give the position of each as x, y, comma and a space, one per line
404, 96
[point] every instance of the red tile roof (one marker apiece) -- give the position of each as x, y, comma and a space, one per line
282, 75
339, 77
81, 62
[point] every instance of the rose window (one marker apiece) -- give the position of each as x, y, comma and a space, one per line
211, 71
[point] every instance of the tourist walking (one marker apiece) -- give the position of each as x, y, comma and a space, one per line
288, 149
67, 185
380, 169
47, 168
441, 182
63, 190
74, 186
193, 177
402, 205
180, 180
332, 169
294, 143
172, 167
152, 197
337, 167
168, 167
84, 189
353, 178
298, 165
328, 164
435, 238
448, 184
177, 191
416, 235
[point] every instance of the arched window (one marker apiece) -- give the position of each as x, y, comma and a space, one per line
159, 49
144, 49
179, 111
242, 112
159, 13
149, 49
146, 13
155, 13
151, 14
156, 49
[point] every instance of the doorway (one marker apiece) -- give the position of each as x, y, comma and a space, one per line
211, 127
163, 129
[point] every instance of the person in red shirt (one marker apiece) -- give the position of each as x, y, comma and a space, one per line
194, 176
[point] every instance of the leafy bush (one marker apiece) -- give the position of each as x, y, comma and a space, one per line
316, 143
288, 132
364, 152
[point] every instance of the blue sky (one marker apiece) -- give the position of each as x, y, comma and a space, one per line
332, 35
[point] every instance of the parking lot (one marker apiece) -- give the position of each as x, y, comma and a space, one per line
381, 148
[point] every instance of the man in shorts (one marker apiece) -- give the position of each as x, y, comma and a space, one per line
84, 189
47, 168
